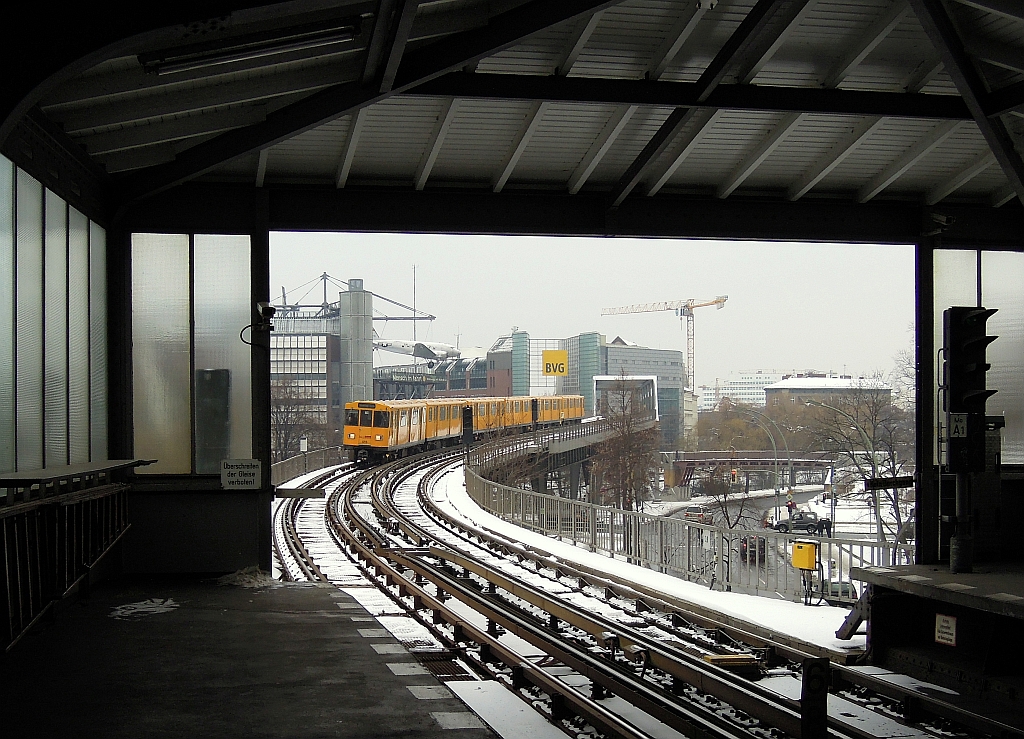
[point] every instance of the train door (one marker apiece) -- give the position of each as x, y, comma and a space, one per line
455, 420
415, 426
403, 427
534, 412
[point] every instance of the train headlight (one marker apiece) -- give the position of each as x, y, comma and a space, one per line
378, 437
351, 436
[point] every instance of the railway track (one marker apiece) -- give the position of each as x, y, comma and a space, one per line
597, 657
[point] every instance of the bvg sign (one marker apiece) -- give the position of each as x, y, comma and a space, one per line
556, 362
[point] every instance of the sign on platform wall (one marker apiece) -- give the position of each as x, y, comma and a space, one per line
945, 629
556, 362
240, 474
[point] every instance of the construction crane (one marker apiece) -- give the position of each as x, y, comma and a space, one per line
683, 309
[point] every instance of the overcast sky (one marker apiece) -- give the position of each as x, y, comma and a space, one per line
839, 307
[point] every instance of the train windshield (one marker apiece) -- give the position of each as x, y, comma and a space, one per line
365, 418
381, 419
351, 418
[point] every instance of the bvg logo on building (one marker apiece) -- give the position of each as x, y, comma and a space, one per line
556, 362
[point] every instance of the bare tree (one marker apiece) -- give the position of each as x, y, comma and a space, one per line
875, 437
627, 463
291, 418
732, 506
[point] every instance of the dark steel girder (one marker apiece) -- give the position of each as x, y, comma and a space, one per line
1005, 99
686, 95
448, 54
944, 37
756, 21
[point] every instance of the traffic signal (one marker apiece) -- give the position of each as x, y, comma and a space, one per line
735, 475
964, 345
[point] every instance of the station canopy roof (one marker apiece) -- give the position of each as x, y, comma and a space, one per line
916, 101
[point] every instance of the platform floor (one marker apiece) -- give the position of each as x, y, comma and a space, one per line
162, 657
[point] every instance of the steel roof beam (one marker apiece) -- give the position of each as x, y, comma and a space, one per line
349, 152
1007, 8
191, 100
261, 167
428, 62
756, 59
520, 143
902, 165
753, 24
1007, 99
584, 30
925, 73
867, 42
834, 157
943, 35
997, 54
399, 38
680, 32
437, 137
685, 95
971, 170
1001, 197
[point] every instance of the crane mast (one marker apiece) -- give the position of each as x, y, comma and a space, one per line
683, 309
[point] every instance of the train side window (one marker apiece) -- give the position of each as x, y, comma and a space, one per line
403, 421
515, 406
352, 418
442, 413
430, 414
366, 418
494, 409
416, 417
381, 419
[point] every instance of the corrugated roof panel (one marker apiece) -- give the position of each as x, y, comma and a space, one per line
890, 64
538, 54
884, 146
561, 140
986, 183
723, 145
394, 135
626, 39
943, 162
479, 138
309, 156
635, 135
808, 142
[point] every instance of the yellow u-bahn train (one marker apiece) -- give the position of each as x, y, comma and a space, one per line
386, 429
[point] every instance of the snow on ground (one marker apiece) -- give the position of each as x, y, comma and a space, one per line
812, 624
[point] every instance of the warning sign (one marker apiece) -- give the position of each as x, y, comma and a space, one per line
957, 425
556, 362
945, 629
240, 474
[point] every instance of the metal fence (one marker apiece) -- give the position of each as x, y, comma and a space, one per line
751, 561
300, 464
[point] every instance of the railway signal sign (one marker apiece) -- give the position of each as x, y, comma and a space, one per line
965, 341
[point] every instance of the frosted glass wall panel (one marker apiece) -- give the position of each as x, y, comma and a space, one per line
1002, 280
223, 414
78, 337
956, 283
55, 332
98, 386
7, 430
161, 351
29, 360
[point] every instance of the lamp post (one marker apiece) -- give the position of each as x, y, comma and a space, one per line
775, 451
879, 533
789, 455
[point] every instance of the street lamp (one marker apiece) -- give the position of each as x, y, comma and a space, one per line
789, 455
775, 450
880, 534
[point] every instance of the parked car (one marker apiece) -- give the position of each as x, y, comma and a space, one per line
799, 521
698, 514
839, 593
753, 548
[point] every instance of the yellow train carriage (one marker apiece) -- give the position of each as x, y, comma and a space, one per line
382, 429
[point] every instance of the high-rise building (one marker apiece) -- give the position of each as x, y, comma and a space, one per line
746, 388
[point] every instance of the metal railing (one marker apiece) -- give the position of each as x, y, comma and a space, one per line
746, 560
300, 464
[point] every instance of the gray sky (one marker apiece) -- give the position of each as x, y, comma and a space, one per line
839, 307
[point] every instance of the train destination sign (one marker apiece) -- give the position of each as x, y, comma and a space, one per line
556, 362
240, 474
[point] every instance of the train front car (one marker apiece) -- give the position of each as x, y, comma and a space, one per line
367, 435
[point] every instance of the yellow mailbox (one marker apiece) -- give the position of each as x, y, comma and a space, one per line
805, 554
